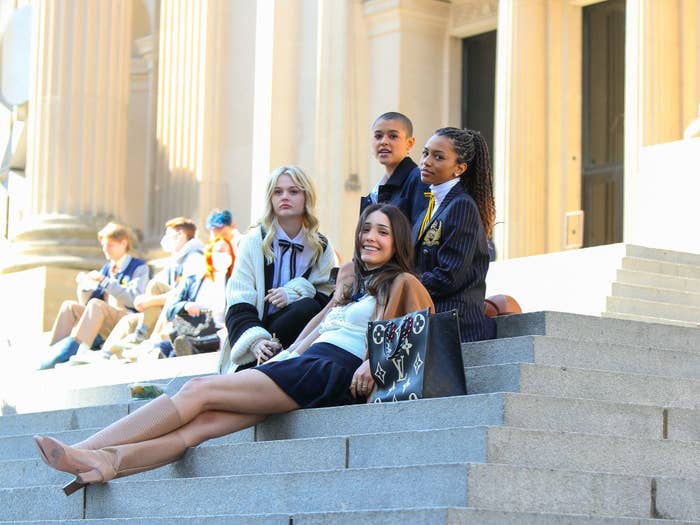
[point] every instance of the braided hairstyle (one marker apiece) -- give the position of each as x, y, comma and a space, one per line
477, 180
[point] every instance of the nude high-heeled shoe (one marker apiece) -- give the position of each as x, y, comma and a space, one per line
88, 466
150, 421
100, 466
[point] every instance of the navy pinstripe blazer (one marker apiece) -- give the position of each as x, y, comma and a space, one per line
452, 259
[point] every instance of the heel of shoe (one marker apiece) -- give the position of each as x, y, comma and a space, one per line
82, 479
72, 487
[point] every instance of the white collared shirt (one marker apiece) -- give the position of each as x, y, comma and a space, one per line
119, 264
440, 192
282, 273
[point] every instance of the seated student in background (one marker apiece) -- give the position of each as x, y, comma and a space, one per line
105, 297
198, 293
281, 277
220, 224
331, 370
391, 141
186, 257
452, 254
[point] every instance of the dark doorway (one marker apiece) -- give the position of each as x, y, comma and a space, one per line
479, 84
603, 117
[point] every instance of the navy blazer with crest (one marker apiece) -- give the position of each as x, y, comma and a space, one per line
452, 259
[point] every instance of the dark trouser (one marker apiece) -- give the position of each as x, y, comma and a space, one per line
286, 324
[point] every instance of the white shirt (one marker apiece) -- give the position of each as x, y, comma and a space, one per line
441, 190
212, 295
284, 256
346, 326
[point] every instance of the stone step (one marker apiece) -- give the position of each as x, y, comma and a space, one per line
649, 319
502, 445
487, 486
661, 295
510, 409
61, 420
558, 381
592, 452
322, 453
666, 268
463, 516
556, 351
607, 330
418, 516
23, 447
678, 499
224, 519
690, 314
657, 280
682, 424
657, 254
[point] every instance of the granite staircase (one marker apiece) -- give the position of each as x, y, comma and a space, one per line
656, 285
569, 420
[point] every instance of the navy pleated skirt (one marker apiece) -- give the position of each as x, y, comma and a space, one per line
320, 377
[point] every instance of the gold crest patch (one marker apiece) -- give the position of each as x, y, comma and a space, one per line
432, 236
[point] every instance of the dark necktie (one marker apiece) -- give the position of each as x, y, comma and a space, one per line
292, 248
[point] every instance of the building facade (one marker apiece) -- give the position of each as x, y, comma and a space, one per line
140, 110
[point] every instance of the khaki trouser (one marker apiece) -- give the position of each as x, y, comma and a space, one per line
151, 314
130, 322
85, 322
126, 325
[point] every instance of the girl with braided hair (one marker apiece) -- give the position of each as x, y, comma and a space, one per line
452, 255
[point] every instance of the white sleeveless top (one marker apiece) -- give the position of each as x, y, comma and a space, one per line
346, 326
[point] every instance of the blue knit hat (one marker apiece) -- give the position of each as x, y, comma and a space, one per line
219, 218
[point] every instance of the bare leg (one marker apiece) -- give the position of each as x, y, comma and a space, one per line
248, 392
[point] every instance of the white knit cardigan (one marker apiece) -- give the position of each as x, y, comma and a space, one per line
247, 285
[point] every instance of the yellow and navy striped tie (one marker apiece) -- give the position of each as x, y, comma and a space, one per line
428, 212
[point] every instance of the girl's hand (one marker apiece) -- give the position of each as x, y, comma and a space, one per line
277, 297
362, 381
192, 309
264, 349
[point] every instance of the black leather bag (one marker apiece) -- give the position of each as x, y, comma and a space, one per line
416, 356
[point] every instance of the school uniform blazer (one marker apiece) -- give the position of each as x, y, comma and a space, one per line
245, 296
130, 281
404, 189
452, 260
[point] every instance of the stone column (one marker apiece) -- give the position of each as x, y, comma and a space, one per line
205, 126
316, 102
653, 92
76, 130
407, 48
520, 162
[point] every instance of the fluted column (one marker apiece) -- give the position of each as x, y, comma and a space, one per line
520, 161
76, 129
205, 126
407, 63
182, 52
653, 87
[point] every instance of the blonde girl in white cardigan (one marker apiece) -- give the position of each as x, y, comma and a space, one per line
282, 274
